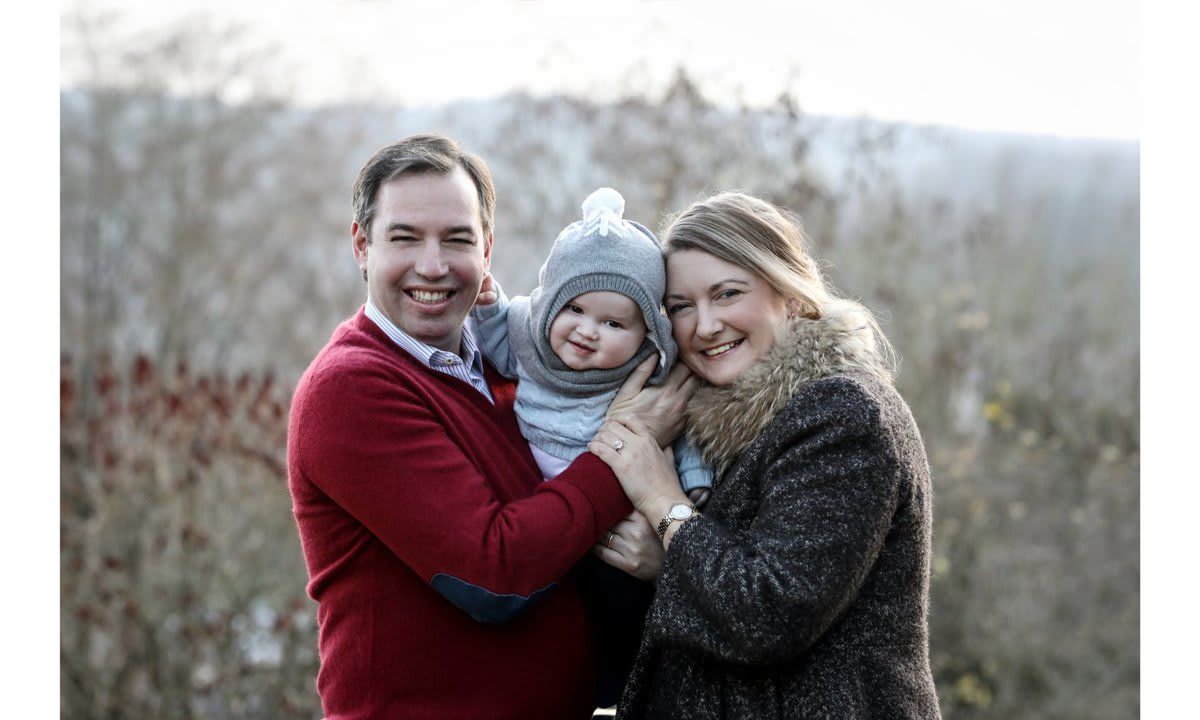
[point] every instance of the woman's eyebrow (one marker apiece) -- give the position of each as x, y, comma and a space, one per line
713, 287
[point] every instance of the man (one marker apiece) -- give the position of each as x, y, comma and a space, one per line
437, 556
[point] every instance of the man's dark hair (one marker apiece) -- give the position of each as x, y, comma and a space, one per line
418, 155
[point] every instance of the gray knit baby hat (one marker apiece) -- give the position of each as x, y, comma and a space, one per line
604, 251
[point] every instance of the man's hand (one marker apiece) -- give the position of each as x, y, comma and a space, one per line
487, 293
632, 545
660, 408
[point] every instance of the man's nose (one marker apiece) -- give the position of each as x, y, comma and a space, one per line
430, 263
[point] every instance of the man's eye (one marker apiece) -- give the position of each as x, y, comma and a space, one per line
467, 240
403, 238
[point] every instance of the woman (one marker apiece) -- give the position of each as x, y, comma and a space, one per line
801, 590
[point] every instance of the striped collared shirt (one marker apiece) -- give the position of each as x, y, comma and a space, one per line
437, 360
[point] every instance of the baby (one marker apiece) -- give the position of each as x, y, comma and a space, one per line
593, 318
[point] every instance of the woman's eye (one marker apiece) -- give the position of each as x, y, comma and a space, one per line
672, 309
726, 294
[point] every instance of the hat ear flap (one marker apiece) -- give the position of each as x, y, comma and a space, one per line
665, 342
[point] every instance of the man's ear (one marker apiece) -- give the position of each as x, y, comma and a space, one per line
360, 243
487, 252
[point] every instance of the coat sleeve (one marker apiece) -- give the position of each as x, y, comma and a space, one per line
378, 451
491, 321
828, 497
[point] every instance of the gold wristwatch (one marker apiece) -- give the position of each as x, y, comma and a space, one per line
679, 512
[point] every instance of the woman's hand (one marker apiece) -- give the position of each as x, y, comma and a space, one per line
646, 473
660, 408
633, 547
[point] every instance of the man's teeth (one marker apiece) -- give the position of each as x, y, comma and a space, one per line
723, 348
430, 297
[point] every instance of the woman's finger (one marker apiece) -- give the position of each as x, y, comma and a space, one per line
613, 430
603, 451
633, 425
677, 377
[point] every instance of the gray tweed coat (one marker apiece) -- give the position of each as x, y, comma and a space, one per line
802, 590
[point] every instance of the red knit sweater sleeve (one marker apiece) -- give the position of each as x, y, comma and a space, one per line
380, 450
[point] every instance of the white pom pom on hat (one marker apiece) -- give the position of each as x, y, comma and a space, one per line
604, 200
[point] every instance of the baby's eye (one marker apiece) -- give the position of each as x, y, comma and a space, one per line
614, 325
575, 309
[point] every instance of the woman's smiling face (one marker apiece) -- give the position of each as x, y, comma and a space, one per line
724, 317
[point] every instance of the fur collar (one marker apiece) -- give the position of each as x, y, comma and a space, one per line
724, 421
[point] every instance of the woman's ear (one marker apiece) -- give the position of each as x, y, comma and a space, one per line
802, 308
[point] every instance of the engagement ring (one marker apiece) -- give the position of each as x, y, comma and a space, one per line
618, 445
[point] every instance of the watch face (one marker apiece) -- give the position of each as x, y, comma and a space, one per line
680, 512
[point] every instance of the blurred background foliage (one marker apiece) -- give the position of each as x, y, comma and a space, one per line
206, 258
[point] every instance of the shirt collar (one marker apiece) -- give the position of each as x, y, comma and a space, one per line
427, 354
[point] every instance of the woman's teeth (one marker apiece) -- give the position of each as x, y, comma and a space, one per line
713, 352
429, 297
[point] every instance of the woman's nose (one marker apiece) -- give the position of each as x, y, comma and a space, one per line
708, 325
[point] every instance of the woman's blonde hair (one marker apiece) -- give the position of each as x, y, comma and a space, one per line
770, 242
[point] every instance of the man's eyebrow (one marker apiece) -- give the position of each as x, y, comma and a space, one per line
713, 287
453, 230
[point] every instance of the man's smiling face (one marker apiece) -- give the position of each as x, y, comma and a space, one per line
427, 255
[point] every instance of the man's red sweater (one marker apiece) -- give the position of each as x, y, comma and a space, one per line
436, 554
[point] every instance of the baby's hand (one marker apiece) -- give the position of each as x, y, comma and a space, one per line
699, 496
487, 293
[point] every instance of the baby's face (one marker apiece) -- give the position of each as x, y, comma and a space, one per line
597, 331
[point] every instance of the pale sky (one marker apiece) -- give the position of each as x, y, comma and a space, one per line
1064, 67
